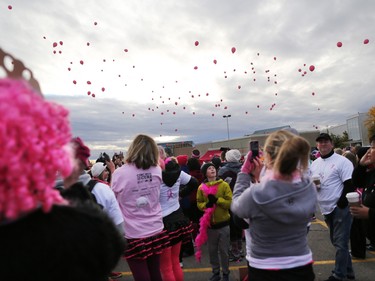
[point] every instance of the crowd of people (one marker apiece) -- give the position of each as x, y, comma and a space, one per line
153, 209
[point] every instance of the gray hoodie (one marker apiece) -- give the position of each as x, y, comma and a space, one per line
279, 212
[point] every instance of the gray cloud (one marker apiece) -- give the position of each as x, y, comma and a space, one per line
160, 38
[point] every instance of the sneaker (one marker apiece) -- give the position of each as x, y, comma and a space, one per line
333, 278
215, 277
115, 275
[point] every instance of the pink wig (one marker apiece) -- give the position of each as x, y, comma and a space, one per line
33, 138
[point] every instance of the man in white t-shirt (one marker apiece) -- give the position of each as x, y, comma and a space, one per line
335, 172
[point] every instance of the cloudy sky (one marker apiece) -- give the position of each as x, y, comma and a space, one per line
171, 69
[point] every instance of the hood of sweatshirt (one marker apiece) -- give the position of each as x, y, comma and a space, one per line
286, 202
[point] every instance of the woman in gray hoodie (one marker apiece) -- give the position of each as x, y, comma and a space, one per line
278, 209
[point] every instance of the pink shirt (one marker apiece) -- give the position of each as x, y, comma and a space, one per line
137, 192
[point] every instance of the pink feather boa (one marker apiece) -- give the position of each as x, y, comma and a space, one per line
204, 222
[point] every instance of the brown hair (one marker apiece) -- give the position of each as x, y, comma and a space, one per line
143, 152
294, 153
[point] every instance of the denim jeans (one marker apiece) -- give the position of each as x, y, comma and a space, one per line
339, 223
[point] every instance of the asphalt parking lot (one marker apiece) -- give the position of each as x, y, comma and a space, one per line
323, 253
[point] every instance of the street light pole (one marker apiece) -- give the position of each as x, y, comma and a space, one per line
227, 117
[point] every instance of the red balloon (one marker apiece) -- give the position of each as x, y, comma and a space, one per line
103, 89
239, 87
10, 7
88, 82
299, 70
196, 43
54, 44
233, 50
339, 44
81, 62
312, 68
74, 82
93, 95
195, 67
313, 93
366, 41
274, 58
215, 61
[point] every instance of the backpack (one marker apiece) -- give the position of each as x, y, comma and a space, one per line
90, 186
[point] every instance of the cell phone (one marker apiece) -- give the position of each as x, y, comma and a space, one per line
254, 147
106, 157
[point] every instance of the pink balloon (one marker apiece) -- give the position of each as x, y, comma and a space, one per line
312, 68
339, 44
233, 50
366, 41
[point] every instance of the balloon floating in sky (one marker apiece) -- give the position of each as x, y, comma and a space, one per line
95, 23
312, 68
366, 41
54, 44
233, 50
196, 43
195, 67
339, 44
81, 62
10, 7
215, 61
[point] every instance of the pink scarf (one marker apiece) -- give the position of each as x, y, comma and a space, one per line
204, 222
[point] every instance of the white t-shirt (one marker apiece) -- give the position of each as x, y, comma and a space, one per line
333, 172
105, 197
169, 196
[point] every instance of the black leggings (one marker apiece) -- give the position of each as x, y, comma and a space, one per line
147, 269
304, 273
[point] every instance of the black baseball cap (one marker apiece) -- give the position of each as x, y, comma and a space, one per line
324, 136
